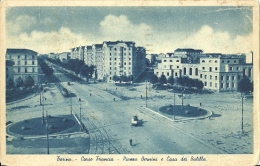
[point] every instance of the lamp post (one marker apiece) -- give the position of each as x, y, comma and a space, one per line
146, 94
182, 98
42, 107
47, 133
70, 104
80, 110
242, 113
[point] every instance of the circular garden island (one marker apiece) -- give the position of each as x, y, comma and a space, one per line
35, 126
183, 112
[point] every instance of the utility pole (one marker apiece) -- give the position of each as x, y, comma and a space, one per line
42, 108
80, 111
146, 94
70, 104
47, 133
242, 114
182, 99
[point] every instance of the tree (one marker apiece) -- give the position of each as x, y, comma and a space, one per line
199, 85
116, 78
19, 82
123, 78
245, 85
9, 83
162, 79
154, 79
84, 71
29, 82
170, 80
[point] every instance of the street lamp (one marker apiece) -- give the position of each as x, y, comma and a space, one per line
47, 133
42, 105
80, 110
182, 98
242, 113
146, 93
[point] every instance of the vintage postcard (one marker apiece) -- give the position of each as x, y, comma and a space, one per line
129, 83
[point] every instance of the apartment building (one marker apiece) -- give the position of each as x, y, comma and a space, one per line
25, 63
217, 71
113, 58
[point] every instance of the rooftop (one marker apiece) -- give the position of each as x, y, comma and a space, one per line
19, 51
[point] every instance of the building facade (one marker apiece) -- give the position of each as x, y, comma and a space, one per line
25, 63
113, 58
218, 72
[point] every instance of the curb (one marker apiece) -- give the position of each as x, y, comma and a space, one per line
197, 139
17, 101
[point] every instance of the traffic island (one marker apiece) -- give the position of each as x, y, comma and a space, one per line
185, 112
30, 136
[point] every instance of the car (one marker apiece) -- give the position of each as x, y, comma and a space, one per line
135, 120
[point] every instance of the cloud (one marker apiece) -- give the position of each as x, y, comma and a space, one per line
120, 28
20, 24
215, 41
46, 42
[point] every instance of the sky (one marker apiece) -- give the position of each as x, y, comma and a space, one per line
158, 29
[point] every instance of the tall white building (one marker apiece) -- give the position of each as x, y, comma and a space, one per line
113, 58
217, 71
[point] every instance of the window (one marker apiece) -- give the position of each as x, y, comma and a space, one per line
165, 61
233, 85
203, 61
235, 61
237, 68
222, 85
164, 66
18, 62
176, 74
227, 85
190, 72
200, 75
25, 62
129, 58
115, 58
177, 67
115, 49
168, 74
205, 83
33, 57
115, 68
210, 84
228, 61
110, 63
230, 68
203, 68
216, 68
216, 77
216, 85
184, 71
25, 70
233, 77
210, 68
238, 77
196, 71
33, 62
25, 56
227, 77
216, 61
222, 78
157, 73
110, 68
205, 76
209, 60
129, 63
210, 77
18, 56
170, 60
33, 70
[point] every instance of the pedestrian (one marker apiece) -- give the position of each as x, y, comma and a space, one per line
131, 142
200, 104
114, 99
90, 94
141, 96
